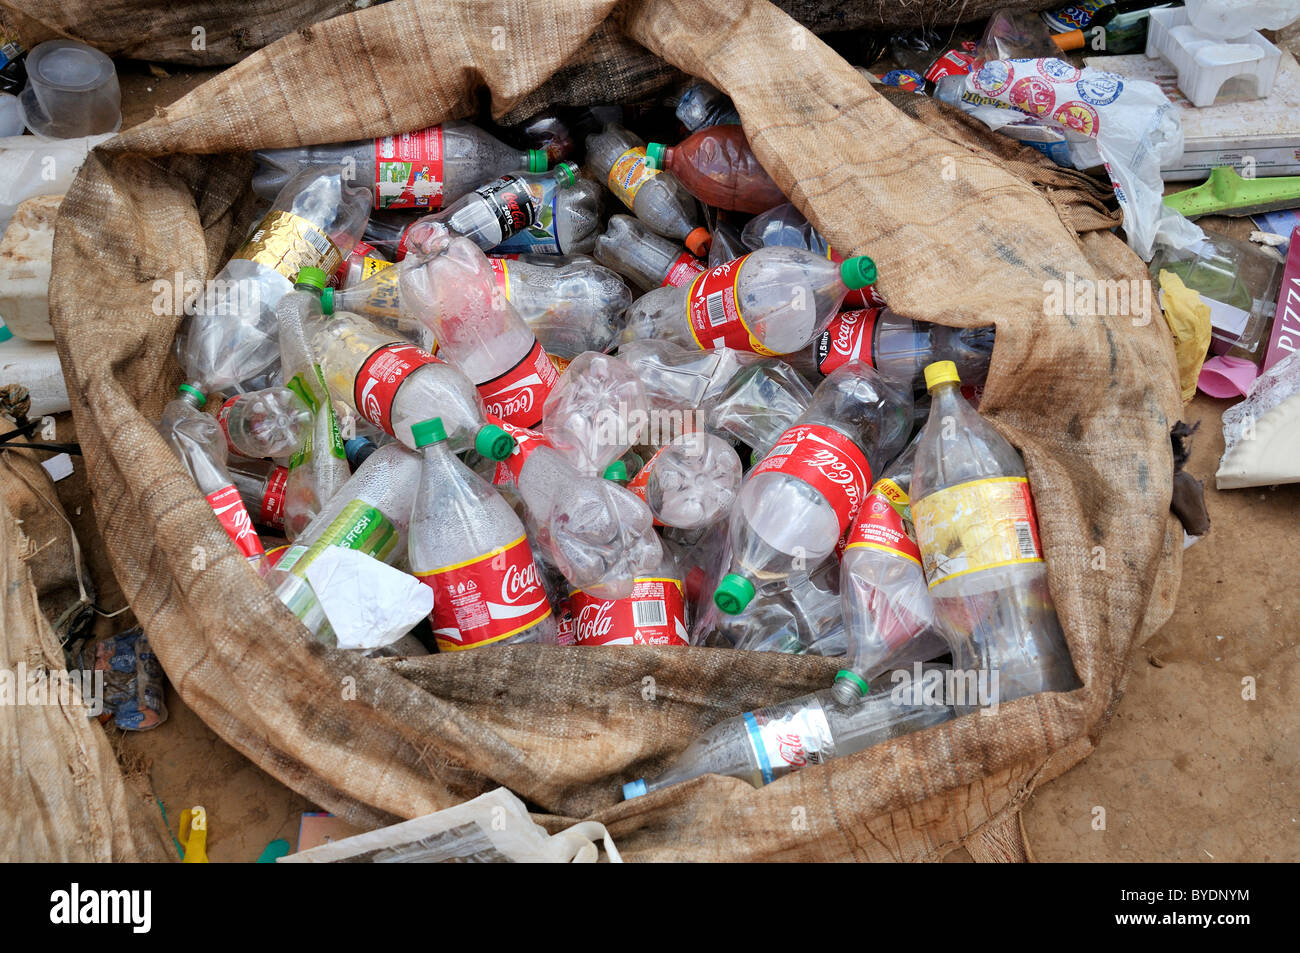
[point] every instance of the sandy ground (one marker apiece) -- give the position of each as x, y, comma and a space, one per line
1188, 769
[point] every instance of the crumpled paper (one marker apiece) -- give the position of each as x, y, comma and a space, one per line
368, 603
1188, 318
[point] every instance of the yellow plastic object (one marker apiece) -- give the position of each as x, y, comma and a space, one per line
940, 372
1188, 318
193, 835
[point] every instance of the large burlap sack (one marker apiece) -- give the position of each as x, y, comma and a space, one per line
962, 236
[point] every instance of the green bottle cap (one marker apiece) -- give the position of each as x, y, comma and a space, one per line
733, 593
5, 333
327, 301
428, 431
857, 681
616, 471
858, 272
193, 392
654, 155
566, 173
538, 160
313, 278
492, 442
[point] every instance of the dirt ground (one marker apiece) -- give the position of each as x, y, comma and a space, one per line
1189, 769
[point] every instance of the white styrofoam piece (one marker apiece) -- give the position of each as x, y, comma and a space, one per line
35, 366
1205, 62
25, 254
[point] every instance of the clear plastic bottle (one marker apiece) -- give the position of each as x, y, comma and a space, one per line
653, 614
319, 467
595, 412
427, 169
598, 534
363, 261
718, 167
371, 514
883, 593
691, 481
198, 441
773, 301
678, 377
618, 158
898, 347
978, 535
453, 293
796, 504
467, 544
231, 341
379, 299
572, 306
764, 745
265, 423
759, 404
394, 385
261, 487
726, 246
644, 258
702, 104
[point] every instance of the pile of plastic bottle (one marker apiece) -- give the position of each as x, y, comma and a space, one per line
632, 400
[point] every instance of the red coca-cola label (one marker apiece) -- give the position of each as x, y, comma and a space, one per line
952, 63
847, 338
517, 396
223, 418
639, 482
826, 460
713, 311
271, 512
879, 525
234, 518
408, 170
526, 441
682, 272
381, 375
486, 599
654, 614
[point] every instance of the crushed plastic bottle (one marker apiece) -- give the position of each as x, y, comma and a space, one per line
231, 341
198, 441
727, 245
618, 158
261, 487
426, 169
702, 104
467, 544
265, 423
798, 501
978, 536
572, 305
773, 301
759, 403
645, 259
765, 745
691, 481
718, 167
595, 412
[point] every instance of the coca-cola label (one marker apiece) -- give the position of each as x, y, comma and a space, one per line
517, 396
713, 311
408, 170
526, 441
486, 599
641, 481
785, 738
682, 271
271, 512
235, 520
382, 373
826, 460
512, 202
654, 614
847, 338
501, 275
880, 523
223, 418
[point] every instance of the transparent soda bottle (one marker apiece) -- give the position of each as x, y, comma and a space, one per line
653, 614
718, 167
618, 158
198, 441
363, 261
691, 481
642, 257
726, 246
467, 544
261, 486
764, 745
759, 403
773, 301
798, 501
395, 384
427, 169
596, 411
231, 341
265, 423
702, 104
785, 226
978, 535
572, 306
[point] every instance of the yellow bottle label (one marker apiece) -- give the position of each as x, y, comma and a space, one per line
630, 173
370, 266
983, 524
288, 243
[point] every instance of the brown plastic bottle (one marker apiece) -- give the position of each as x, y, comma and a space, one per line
718, 167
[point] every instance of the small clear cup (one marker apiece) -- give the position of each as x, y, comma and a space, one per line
71, 91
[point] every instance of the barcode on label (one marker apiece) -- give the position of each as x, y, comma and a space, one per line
717, 311
649, 612
781, 449
317, 241
1025, 539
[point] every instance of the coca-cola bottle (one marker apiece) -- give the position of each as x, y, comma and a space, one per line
467, 544
653, 614
265, 423
718, 167
691, 481
798, 501
261, 487
572, 304
644, 258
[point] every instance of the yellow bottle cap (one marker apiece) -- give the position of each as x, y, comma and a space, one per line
940, 372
